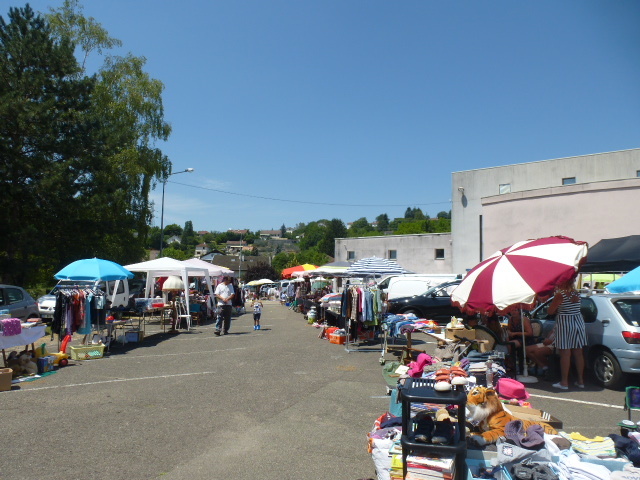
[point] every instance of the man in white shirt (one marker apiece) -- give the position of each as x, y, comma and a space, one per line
224, 294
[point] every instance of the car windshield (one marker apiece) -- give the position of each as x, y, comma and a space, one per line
629, 309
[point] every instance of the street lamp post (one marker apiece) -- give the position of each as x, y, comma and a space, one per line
186, 170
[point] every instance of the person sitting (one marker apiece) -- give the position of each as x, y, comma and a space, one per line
540, 352
515, 327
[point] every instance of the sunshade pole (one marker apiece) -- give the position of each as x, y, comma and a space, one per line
526, 378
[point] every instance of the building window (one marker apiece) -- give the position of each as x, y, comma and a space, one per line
637, 173
351, 255
569, 181
505, 188
439, 253
392, 254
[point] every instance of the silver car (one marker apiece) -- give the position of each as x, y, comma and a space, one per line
18, 302
612, 324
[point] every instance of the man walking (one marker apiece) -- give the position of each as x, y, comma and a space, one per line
224, 293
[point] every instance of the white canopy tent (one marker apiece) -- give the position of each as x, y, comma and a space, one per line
214, 270
164, 267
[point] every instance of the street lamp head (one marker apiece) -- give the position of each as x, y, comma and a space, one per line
189, 170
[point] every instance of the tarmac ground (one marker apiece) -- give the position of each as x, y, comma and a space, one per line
273, 404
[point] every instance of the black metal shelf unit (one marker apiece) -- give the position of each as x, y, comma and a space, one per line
419, 390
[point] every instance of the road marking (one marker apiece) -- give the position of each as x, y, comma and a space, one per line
117, 380
595, 404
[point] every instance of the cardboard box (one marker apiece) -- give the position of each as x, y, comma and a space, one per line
6, 375
45, 364
525, 413
461, 332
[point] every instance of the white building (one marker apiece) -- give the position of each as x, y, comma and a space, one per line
419, 253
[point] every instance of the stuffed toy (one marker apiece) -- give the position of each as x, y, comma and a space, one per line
29, 367
486, 410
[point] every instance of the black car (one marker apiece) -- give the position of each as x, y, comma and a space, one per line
434, 304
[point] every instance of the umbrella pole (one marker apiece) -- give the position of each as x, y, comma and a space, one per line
526, 378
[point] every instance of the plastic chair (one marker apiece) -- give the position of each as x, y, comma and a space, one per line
632, 399
195, 310
182, 314
536, 326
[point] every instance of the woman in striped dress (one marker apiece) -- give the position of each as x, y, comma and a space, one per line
570, 332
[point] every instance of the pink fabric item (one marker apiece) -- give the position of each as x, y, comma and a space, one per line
509, 388
417, 367
11, 326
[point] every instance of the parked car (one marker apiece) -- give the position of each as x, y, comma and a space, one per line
434, 304
411, 284
613, 334
19, 303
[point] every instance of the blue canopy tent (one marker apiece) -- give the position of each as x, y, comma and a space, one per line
629, 283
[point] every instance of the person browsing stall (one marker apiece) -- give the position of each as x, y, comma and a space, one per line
257, 312
224, 294
571, 336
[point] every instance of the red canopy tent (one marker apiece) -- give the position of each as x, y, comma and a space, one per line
286, 273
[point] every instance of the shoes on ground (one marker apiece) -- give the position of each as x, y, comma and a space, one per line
217, 332
560, 386
579, 385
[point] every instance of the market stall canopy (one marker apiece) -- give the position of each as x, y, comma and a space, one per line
613, 255
286, 273
173, 283
214, 270
262, 281
519, 276
93, 269
374, 266
165, 267
629, 283
333, 269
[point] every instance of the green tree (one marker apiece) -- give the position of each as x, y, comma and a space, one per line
173, 251
360, 228
313, 234
335, 228
188, 238
173, 229
383, 222
261, 270
406, 228
283, 231
127, 105
444, 214
50, 156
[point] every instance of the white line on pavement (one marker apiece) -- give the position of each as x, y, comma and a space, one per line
117, 380
596, 404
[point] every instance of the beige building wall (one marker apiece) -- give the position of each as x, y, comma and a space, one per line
416, 252
587, 212
514, 218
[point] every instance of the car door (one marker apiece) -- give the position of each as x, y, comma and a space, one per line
15, 300
440, 308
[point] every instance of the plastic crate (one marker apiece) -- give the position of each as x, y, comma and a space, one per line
87, 352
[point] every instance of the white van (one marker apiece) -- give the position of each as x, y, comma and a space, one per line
408, 285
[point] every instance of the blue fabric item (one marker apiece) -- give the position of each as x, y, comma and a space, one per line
395, 407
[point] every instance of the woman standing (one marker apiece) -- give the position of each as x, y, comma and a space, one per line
570, 332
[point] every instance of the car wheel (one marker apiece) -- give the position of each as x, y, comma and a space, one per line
606, 369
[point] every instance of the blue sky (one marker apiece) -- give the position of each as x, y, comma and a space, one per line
292, 110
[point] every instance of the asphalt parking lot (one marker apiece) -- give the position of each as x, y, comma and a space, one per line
278, 403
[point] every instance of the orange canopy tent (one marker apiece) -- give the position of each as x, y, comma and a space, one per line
286, 273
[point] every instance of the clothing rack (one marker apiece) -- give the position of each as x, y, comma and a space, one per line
349, 321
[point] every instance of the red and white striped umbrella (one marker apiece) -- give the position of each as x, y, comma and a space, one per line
520, 275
